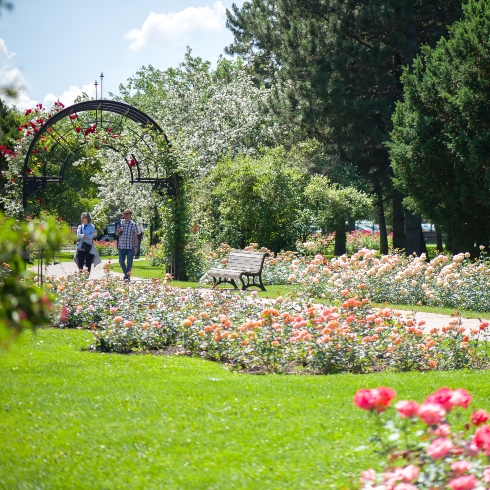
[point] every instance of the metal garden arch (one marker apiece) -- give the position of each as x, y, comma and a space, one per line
102, 123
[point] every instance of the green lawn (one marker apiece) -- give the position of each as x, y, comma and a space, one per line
75, 419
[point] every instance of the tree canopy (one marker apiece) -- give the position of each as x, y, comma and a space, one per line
441, 136
335, 66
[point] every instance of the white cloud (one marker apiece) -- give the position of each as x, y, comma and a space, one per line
176, 24
68, 96
4, 52
13, 80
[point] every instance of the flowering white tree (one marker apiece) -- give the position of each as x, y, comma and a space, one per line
206, 113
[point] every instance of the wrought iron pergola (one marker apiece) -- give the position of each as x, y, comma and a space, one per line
59, 140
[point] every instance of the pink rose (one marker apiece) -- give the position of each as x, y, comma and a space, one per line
460, 467
364, 399
467, 482
486, 475
481, 439
460, 398
368, 475
439, 448
443, 430
407, 408
376, 399
431, 413
409, 473
479, 417
405, 486
442, 397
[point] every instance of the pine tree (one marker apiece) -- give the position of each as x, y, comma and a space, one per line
441, 139
337, 65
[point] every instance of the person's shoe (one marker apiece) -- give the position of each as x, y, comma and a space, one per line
126, 278
55, 263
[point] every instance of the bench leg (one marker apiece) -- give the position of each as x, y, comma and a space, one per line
224, 281
253, 283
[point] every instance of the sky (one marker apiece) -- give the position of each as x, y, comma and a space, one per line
55, 50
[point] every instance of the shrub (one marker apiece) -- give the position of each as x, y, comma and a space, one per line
428, 446
237, 329
455, 282
106, 249
359, 239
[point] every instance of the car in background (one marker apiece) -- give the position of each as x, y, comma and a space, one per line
367, 226
109, 233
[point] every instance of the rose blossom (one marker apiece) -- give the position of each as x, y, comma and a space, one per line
479, 417
368, 475
439, 448
405, 486
376, 399
486, 475
443, 430
442, 397
409, 473
460, 467
481, 439
407, 408
467, 482
460, 398
431, 413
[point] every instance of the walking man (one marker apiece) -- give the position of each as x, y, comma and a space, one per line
127, 242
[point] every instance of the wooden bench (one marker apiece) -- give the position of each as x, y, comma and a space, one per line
243, 265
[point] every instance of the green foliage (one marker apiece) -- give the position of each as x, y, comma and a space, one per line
336, 64
22, 304
441, 143
253, 199
333, 204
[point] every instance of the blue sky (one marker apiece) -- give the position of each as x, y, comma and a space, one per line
57, 49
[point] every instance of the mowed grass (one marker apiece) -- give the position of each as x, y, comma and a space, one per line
76, 419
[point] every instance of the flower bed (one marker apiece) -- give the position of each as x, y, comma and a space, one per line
241, 331
429, 446
106, 249
455, 282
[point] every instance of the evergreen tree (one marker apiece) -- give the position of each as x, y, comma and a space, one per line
441, 138
336, 66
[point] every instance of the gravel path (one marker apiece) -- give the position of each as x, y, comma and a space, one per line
432, 320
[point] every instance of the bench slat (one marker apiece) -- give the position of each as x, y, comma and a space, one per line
240, 264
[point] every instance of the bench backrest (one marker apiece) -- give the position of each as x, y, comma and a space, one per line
246, 261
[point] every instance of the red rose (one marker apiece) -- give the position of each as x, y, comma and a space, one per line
479, 417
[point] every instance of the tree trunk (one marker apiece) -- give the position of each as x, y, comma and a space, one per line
414, 238
398, 221
383, 235
351, 225
439, 244
340, 239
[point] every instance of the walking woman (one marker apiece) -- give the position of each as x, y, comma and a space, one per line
86, 252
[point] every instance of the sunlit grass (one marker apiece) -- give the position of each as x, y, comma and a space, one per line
75, 419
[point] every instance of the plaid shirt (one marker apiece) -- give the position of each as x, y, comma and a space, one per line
126, 238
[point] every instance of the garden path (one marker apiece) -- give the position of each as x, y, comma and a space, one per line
432, 320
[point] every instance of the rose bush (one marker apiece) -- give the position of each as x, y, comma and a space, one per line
456, 282
428, 446
244, 332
